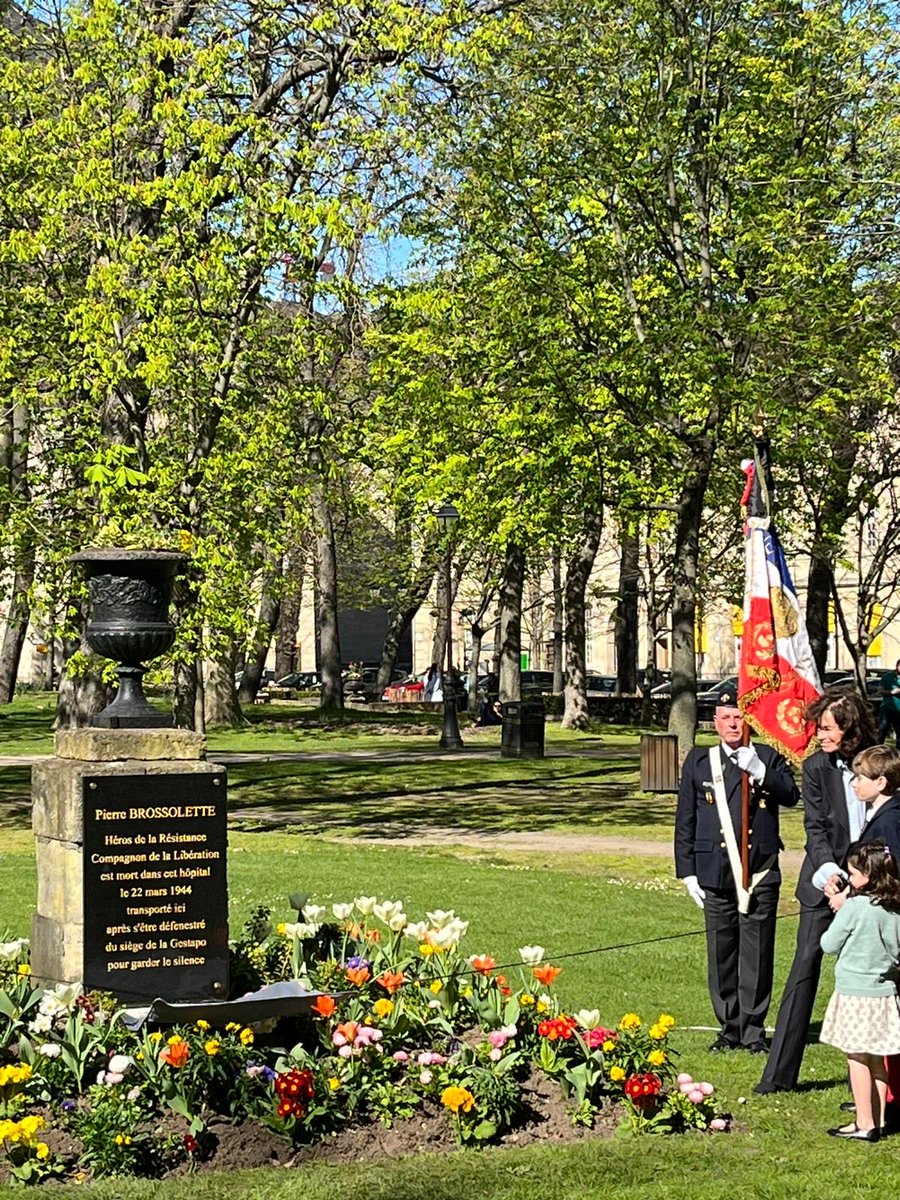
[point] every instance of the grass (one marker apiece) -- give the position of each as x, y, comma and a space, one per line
619, 925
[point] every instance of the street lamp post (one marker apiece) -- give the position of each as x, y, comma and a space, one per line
448, 516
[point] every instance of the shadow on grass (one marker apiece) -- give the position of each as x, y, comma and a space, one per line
368, 799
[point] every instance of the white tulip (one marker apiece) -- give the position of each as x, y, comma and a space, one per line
416, 931
439, 918
388, 909
301, 930
532, 955
342, 911
313, 913
588, 1018
365, 904
397, 922
11, 950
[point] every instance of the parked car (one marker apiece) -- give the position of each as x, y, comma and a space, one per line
268, 676
600, 685
299, 680
709, 698
536, 683
703, 685
873, 684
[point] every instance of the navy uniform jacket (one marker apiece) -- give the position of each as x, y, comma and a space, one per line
699, 844
884, 827
826, 822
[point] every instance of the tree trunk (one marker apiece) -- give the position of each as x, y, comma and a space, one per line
402, 616
266, 624
818, 593
472, 684
81, 695
184, 699
650, 663
17, 620
683, 714
326, 577
627, 613
578, 571
557, 623
220, 701
289, 613
510, 602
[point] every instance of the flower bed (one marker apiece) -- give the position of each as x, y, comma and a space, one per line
407, 1027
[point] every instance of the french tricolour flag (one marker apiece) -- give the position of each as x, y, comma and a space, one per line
778, 676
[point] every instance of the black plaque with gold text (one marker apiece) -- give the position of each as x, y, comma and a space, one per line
155, 886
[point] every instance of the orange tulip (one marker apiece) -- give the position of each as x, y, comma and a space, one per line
348, 1030
545, 974
391, 981
483, 964
324, 1006
176, 1053
358, 975
373, 935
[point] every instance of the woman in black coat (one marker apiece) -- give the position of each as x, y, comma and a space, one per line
832, 817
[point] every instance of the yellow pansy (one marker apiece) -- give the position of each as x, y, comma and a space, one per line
630, 1021
202, 1025
656, 1058
154, 1037
435, 986
24, 969
383, 1007
246, 1036
42, 1150
212, 1047
666, 1020
541, 1007
608, 1045
616, 1074
232, 1027
526, 1000
334, 1083
657, 1032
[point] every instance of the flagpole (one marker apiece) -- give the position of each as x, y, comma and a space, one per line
745, 814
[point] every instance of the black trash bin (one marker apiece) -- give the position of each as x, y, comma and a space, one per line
523, 729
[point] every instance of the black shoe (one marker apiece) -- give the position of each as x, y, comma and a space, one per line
721, 1044
763, 1088
854, 1134
759, 1047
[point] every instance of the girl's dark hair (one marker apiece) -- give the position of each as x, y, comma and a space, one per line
852, 715
875, 860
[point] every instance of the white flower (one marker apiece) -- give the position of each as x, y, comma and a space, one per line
120, 1063
588, 1018
300, 930
12, 950
416, 931
439, 918
42, 1023
397, 922
134, 1094
67, 993
510, 1030
532, 955
50, 1050
365, 904
388, 909
341, 911
313, 913
545, 999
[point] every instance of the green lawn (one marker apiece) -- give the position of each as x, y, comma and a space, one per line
622, 929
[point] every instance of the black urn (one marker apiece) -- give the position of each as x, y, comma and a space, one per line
130, 592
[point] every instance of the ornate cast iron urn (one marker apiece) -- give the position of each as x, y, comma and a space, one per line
130, 591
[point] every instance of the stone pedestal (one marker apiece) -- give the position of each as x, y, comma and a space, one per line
151, 783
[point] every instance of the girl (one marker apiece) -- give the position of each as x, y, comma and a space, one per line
863, 1015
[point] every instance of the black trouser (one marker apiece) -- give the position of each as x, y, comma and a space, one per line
795, 1011
888, 719
740, 955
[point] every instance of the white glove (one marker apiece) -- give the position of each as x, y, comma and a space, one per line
748, 760
694, 890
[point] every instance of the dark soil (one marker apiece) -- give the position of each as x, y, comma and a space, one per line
546, 1118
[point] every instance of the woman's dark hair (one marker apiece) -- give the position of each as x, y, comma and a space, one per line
852, 715
875, 860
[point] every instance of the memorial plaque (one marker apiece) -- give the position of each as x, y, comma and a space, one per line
155, 886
